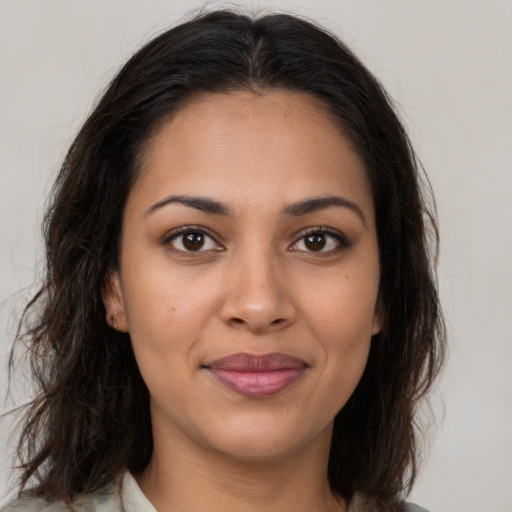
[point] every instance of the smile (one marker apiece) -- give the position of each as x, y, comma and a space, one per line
257, 376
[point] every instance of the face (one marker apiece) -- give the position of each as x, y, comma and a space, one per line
249, 273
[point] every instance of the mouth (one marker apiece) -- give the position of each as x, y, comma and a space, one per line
257, 376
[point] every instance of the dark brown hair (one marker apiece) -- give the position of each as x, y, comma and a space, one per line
90, 418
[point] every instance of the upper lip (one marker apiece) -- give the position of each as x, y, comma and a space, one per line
243, 362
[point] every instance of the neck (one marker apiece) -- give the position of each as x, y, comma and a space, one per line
183, 476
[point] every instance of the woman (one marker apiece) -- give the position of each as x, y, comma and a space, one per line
239, 310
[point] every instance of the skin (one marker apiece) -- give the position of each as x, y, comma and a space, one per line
256, 287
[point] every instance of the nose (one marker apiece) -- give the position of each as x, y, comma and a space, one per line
257, 296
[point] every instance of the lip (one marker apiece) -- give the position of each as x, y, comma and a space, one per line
257, 376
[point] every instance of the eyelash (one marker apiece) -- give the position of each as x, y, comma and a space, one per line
177, 233
341, 240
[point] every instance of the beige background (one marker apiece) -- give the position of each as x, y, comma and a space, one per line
449, 65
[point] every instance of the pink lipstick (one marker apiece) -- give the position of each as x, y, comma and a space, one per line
257, 376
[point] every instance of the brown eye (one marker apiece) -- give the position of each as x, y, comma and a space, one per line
193, 241
315, 241
322, 241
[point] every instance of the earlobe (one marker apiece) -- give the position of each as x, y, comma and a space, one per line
377, 325
113, 301
378, 318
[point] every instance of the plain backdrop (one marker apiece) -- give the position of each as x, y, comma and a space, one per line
448, 63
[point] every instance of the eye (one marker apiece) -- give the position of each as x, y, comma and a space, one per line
321, 241
191, 240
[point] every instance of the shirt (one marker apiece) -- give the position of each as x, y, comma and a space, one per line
126, 496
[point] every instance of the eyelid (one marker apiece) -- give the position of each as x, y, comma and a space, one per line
324, 230
176, 232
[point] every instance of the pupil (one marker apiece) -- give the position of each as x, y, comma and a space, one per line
193, 241
315, 242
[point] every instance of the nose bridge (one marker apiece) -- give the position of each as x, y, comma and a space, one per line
257, 297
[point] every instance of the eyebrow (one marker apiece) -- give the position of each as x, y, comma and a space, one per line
203, 204
316, 204
211, 206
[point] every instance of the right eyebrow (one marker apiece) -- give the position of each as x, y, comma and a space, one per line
315, 204
203, 204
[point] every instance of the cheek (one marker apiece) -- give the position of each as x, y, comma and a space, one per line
156, 291
343, 309
340, 315
167, 309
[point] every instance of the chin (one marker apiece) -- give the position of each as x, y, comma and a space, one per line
263, 441
258, 450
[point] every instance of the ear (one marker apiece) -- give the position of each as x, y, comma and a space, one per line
378, 318
113, 301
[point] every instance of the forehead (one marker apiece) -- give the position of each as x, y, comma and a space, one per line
243, 106
243, 142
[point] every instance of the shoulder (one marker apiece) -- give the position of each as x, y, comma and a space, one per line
25, 505
362, 503
106, 499
411, 507
35, 505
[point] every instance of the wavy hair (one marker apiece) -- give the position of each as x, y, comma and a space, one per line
90, 418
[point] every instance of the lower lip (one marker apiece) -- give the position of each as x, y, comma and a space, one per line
257, 384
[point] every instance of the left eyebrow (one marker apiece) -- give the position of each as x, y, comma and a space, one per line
315, 204
203, 204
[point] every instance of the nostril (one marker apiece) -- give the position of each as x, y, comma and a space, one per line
235, 321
